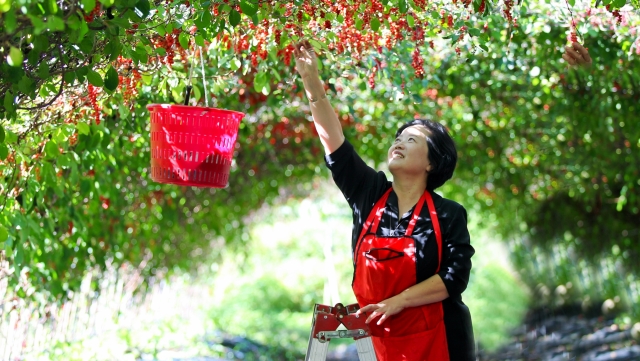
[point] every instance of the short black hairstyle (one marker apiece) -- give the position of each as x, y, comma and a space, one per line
442, 151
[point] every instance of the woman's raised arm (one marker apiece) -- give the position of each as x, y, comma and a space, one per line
324, 116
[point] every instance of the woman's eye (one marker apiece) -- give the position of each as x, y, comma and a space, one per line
413, 139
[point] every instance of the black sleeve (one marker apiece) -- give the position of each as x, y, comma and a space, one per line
456, 254
358, 182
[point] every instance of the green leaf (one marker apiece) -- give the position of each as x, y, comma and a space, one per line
10, 20
1, 134
27, 85
52, 6
10, 137
88, 5
84, 29
359, 23
250, 8
9, 98
15, 57
83, 128
55, 23
402, 6
5, 6
199, 40
94, 78
572, 3
4, 234
617, 4
260, 81
234, 18
183, 39
411, 21
4, 151
111, 80
474, 32
51, 149
142, 8
375, 24
203, 21
235, 64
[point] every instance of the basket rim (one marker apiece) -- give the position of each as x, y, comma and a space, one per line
190, 108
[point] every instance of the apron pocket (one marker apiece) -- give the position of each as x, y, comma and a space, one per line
382, 254
428, 345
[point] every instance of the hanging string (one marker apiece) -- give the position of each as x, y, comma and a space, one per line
574, 25
189, 85
204, 79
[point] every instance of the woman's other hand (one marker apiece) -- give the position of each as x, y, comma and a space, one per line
384, 309
577, 55
306, 59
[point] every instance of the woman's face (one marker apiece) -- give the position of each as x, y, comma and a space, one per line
409, 152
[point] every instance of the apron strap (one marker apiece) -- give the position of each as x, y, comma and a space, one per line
376, 214
416, 215
436, 226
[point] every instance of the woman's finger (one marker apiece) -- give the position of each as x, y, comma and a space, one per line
568, 59
373, 315
367, 308
382, 319
583, 52
574, 54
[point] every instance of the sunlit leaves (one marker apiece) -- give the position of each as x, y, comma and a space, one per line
142, 8
15, 57
94, 78
111, 80
88, 5
234, 18
249, 7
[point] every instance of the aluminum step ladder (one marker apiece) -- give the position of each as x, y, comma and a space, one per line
327, 319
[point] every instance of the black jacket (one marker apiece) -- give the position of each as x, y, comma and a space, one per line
362, 186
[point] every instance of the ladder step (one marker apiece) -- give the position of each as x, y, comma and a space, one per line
365, 349
317, 350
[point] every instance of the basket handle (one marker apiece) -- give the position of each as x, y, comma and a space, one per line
204, 81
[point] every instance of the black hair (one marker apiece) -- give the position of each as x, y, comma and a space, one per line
442, 151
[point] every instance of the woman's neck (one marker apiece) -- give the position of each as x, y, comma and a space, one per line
408, 191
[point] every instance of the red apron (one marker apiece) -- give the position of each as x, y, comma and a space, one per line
386, 266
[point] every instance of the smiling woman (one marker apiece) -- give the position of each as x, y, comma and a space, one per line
411, 262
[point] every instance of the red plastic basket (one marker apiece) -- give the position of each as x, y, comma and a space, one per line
192, 146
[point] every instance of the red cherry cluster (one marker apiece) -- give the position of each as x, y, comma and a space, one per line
482, 7
446, 19
93, 14
170, 44
73, 139
286, 54
417, 35
105, 202
417, 63
616, 13
372, 77
508, 6
573, 37
93, 99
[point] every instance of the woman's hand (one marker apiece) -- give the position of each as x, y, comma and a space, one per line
384, 309
577, 55
306, 59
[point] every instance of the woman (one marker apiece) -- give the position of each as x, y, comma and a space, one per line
411, 247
